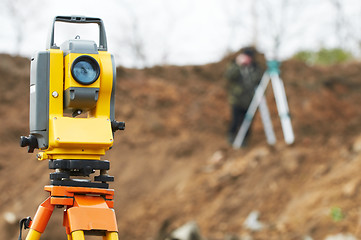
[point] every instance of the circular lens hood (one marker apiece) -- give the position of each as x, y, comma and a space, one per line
85, 70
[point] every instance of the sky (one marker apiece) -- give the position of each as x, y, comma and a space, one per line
144, 33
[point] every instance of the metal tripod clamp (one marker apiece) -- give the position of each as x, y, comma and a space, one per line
273, 67
81, 20
24, 223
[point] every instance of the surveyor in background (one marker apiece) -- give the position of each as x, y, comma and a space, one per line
243, 76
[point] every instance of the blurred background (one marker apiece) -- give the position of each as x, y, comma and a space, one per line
173, 165
143, 33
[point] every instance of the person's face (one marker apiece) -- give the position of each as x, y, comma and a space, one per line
243, 59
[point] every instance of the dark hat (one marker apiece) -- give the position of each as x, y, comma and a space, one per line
249, 52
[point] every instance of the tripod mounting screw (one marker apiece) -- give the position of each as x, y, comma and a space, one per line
42, 156
55, 94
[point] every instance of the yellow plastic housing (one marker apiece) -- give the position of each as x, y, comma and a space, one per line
91, 133
78, 138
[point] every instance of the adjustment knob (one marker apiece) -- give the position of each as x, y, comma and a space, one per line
117, 125
31, 142
24, 141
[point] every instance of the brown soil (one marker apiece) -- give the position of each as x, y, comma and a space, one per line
173, 164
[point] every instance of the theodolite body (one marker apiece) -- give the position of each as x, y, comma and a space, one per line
72, 124
72, 99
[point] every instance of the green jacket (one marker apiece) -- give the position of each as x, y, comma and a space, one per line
241, 83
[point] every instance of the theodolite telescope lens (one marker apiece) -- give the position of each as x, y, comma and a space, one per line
85, 70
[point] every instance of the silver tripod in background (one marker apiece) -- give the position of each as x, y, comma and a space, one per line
259, 101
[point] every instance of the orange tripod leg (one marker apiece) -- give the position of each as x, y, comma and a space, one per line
40, 221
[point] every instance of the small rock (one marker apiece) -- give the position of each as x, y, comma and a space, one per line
217, 157
350, 188
341, 236
246, 237
356, 147
252, 222
215, 162
10, 217
189, 231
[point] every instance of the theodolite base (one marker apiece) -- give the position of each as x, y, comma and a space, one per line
67, 169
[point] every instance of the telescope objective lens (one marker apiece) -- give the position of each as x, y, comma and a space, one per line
85, 70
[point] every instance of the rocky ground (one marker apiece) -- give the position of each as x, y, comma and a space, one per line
173, 165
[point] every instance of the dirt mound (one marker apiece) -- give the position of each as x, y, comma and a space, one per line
172, 164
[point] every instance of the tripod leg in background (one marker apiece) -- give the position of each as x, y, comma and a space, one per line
256, 100
267, 122
282, 106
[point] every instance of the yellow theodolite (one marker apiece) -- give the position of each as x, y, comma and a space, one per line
72, 94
